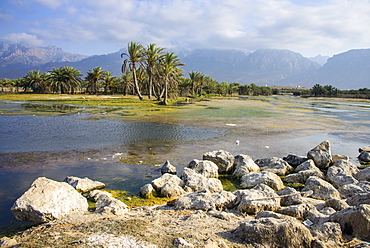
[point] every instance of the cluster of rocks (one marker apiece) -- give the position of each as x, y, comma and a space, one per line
48, 200
333, 202
331, 206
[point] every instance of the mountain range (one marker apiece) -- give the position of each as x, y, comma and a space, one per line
348, 70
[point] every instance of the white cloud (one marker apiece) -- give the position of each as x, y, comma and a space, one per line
26, 39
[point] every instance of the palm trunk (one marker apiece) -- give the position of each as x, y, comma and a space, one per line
165, 92
150, 85
137, 89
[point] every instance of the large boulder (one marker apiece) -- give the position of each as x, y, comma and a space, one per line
329, 233
295, 160
254, 178
84, 184
350, 190
159, 182
354, 221
147, 191
336, 204
244, 164
341, 173
358, 199
172, 190
271, 232
204, 200
302, 176
223, 159
197, 182
364, 157
258, 199
307, 165
204, 167
47, 200
363, 175
321, 155
303, 212
109, 205
289, 196
321, 189
274, 165
167, 167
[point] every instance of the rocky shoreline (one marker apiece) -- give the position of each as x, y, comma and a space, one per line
318, 200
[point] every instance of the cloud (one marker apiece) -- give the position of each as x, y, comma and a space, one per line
26, 39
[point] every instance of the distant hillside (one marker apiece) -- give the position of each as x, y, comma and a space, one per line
321, 60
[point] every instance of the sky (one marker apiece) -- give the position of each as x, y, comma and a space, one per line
92, 27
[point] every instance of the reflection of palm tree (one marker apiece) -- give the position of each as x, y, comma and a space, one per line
135, 53
36, 81
94, 77
153, 55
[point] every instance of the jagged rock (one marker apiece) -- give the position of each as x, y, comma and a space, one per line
147, 191
354, 221
364, 157
198, 182
319, 204
271, 232
307, 165
302, 176
109, 205
336, 204
6, 242
340, 173
166, 179
168, 168
47, 200
363, 175
358, 199
84, 184
270, 214
182, 243
96, 194
204, 167
336, 157
223, 159
329, 233
327, 211
321, 155
361, 245
365, 148
244, 164
350, 190
321, 189
295, 160
303, 212
204, 200
257, 199
274, 165
172, 190
291, 198
254, 178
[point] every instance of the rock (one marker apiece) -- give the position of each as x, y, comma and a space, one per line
204, 200
354, 221
292, 197
270, 214
198, 182
166, 179
303, 212
295, 160
168, 168
361, 245
271, 232
47, 200
321, 155
182, 243
258, 199
358, 199
84, 184
274, 165
172, 190
364, 157
147, 191
244, 164
223, 159
302, 176
335, 158
363, 175
365, 148
96, 194
109, 205
6, 242
329, 232
350, 190
270, 179
327, 211
204, 167
307, 165
321, 189
336, 204
340, 173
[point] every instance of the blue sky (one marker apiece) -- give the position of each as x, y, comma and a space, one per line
310, 27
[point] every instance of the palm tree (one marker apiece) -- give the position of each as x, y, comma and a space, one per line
135, 54
36, 80
65, 79
153, 55
94, 77
128, 80
72, 77
170, 69
108, 81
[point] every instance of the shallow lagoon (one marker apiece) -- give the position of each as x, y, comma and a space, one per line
127, 152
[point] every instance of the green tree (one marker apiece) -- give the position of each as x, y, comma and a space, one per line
317, 90
128, 82
135, 54
108, 82
94, 78
36, 81
65, 80
153, 55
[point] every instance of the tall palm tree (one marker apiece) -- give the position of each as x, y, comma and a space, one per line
65, 79
57, 82
135, 54
170, 68
72, 77
108, 81
128, 80
94, 77
36, 81
153, 55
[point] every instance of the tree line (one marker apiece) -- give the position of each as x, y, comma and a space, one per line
330, 91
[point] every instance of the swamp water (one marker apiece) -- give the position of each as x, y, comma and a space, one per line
126, 153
